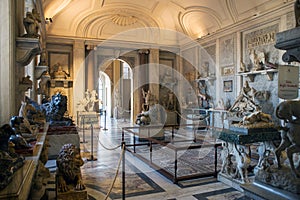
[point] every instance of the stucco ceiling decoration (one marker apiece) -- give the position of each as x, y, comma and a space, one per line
105, 24
123, 20
193, 19
52, 8
102, 19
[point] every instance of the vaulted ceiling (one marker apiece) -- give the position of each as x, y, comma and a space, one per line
101, 19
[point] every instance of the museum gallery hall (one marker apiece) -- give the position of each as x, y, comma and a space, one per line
168, 100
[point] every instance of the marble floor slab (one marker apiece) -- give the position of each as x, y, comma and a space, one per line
141, 181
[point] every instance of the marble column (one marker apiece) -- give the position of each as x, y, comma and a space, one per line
78, 75
7, 59
117, 82
140, 80
154, 72
90, 68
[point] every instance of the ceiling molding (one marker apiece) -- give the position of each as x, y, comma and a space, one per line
214, 16
123, 20
111, 16
231, 7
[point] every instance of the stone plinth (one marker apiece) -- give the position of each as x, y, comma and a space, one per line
151, 131
60, 135
234, 183
20, 185
72, 195
260, 191
85, 119
279, 178
171, 118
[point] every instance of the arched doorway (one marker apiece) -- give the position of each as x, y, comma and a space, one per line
115, 89
104, 91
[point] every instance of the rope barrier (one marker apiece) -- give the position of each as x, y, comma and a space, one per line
122, 112
110, 149
181, 116
116, 174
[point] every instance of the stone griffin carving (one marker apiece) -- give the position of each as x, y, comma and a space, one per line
289, 111
68, 171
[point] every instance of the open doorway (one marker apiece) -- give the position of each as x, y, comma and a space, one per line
122, 90
115, 90
104, 91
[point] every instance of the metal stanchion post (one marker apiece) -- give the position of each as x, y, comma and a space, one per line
105, 129
83, 132
92, 158
123, 170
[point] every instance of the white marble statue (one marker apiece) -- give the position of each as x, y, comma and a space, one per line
89, 102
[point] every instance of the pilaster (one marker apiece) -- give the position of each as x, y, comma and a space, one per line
79, 70
7, 57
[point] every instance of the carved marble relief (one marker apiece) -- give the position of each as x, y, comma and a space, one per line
290, 22
227, 51
260, 42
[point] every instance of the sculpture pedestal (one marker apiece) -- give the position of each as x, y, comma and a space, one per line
171, 118
280, 178
60, 135
234, 183
72, 195
260, 191
151, 131
85, 119
20, 185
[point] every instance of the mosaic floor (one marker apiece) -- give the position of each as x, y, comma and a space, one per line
141, 181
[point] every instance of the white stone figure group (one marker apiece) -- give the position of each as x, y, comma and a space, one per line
257, 59
89, 102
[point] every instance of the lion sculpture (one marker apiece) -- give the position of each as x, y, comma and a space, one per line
68, 171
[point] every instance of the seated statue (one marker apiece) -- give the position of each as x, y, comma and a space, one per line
68, 171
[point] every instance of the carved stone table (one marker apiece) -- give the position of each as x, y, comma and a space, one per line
236, 154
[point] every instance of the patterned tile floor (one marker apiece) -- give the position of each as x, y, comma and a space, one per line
142, 182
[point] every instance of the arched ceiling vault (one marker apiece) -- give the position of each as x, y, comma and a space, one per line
102, 19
